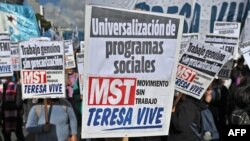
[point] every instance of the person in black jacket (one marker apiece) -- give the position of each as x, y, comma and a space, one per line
218, 105
184, 114
241, 113
11, 110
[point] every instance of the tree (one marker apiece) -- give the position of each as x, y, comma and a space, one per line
44, 23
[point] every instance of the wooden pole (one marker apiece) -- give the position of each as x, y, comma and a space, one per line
177, 99
125, 139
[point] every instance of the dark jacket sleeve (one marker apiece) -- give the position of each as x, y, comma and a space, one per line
183, 117
181, 120
19, 101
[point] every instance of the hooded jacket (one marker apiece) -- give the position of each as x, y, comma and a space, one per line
187, 112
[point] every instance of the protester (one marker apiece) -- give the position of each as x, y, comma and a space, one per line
186, 112
218, 104
72, 77
11, 110
61, 125
241, 112
73, 93
239, 71
242, 79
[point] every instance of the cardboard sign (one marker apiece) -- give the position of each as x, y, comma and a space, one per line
130, 65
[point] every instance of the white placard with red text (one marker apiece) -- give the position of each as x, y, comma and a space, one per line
129, 72
42, 69
197, 68
15, 59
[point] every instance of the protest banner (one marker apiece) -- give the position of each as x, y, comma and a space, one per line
245, 51
69, 54
19, 21
197, 68
5, 60
227, 28
42, 69
129, 71
243, 45
229, 44
15, 60
185, 40
4, 36
80, 65
231, 29
199, 15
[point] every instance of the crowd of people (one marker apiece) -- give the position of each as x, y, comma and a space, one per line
228, 105
60, 119
43, 119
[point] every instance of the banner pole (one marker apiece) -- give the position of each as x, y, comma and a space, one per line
177, 100
125, 139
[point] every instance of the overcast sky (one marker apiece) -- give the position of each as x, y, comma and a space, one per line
65, 13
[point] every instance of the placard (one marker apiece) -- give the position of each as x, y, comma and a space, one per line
42, 69
130, 65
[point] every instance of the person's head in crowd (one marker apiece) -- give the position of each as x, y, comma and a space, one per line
16, 77
4, 80
241, 73
242, 96
207, 97
72, 71
69, 71
217, 82
243, 78
220, 91
240, 62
